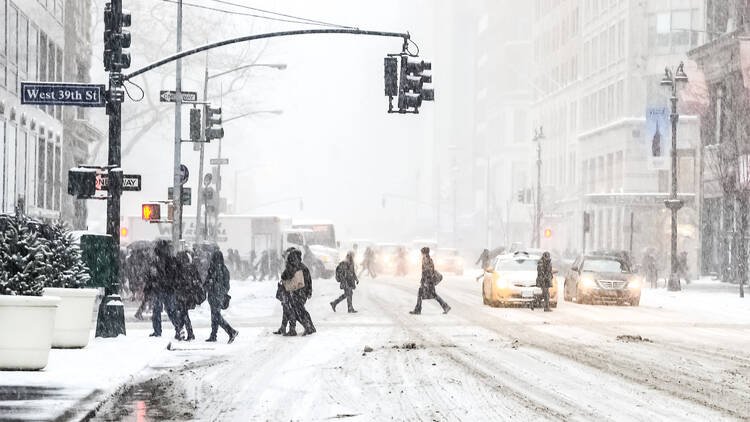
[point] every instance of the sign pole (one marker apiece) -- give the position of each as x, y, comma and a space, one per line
177, 225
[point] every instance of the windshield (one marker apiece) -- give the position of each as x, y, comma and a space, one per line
321, 234
523, 264
604, 266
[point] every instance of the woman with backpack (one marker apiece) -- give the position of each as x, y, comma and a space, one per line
430, 278
297, 282
217, 292
346, 275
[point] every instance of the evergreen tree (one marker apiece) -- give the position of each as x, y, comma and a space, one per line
24, 258
68, 269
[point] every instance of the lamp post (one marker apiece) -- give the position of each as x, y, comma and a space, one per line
538, 136
206, 77
671, 80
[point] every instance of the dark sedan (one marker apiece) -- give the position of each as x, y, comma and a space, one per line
603, 279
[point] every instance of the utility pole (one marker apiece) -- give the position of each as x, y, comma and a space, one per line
177, 185
538, 136
673, 203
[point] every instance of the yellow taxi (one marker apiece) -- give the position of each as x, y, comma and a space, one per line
512, 281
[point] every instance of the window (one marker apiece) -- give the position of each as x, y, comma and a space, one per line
41, 165
611, 51
33, 52
12, 36
42, 57
621, 39
3, 141
49, 175
681, 28
58, 77
620, 95
610, 102
3, 24
23, 45
9, 167
58, 182
21, 164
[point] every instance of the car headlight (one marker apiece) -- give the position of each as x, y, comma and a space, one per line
588, 282
501, 283
325, 258
635, 283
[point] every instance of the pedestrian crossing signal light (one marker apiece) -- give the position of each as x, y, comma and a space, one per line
195, 125
124, 232
547, 233
151, 212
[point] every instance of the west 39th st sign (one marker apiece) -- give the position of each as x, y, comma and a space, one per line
72, 94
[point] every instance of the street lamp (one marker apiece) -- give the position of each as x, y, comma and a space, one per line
278, 66
538, 136
671, 80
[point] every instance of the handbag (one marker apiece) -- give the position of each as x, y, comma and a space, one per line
225, 303
438, 278
297, 282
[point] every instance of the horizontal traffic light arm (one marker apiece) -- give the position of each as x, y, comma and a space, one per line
183, 54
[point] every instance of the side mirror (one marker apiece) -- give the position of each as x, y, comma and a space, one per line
574, 269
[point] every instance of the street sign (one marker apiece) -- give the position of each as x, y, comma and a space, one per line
187, 195
130, 182
171, 96
184, 174
72, 94
219, 161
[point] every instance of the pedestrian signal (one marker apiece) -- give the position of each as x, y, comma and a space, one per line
151, 212
547, 233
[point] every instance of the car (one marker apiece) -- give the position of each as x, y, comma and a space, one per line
386, 258
512, 281
602, 278
448, 260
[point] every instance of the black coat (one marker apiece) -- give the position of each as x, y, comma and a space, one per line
217, 284
544, 273
427, 283
346, 276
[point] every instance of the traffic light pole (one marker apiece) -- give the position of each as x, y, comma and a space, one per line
177, 185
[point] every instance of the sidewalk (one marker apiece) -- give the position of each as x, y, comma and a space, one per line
76, 381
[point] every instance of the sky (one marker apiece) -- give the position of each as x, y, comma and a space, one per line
334, 146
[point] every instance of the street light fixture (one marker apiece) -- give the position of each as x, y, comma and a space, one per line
671, 80
538, 136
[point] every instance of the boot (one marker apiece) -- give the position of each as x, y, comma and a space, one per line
291, 333
415, 312
233, 336
280, 331
447, 309
333, 306
211, 339
352, 311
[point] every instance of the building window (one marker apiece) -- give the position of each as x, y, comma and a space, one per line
23, 45
49, 177
2, 163
58, 176
41, 173
4, 24
9, 167
33, 52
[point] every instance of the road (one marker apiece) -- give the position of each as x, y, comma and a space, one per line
476, 363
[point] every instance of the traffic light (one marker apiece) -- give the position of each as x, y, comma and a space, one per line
213, 124
115, 38
414, 74
151, 211
82, 182
391, 76
195, 125
547, 233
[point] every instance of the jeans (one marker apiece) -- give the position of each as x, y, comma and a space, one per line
348, 296
218, 321
439, 300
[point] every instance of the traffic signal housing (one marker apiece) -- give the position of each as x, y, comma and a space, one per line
115, 37
391, 76
82, 182
195, 125
213, 124
414, 74
151, 211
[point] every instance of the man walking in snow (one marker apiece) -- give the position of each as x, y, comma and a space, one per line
430, 278
347, 278
544, 278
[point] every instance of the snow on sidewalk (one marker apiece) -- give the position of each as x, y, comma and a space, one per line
76, 381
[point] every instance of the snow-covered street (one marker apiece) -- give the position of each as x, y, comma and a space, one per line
476, 363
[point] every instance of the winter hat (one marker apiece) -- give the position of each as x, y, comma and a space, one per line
425, 250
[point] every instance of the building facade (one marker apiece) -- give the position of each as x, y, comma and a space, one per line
42, 40
598, 65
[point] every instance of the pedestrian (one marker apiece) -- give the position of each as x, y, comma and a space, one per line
288, 317
544, 278
484, 259
251, 270
264, 265
347, 278
161, 288
430, 278
190, 291
682, 267
402, 265
649, 268
368, 262
217, 293
298, 297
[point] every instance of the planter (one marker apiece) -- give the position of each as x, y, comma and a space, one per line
74, 318
26, 327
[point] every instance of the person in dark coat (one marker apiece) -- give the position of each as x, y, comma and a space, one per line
160, 288
251, 271
651, 273
299, 297
190, 291
346, 275
217, 293
288, 317
544, 278
430, 278
484, 260
264, 265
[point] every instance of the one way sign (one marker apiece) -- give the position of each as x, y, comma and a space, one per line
130, 182
171, 96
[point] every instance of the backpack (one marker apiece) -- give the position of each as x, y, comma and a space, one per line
341, 272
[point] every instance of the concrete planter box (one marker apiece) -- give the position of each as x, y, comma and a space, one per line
73, 321
26, 327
